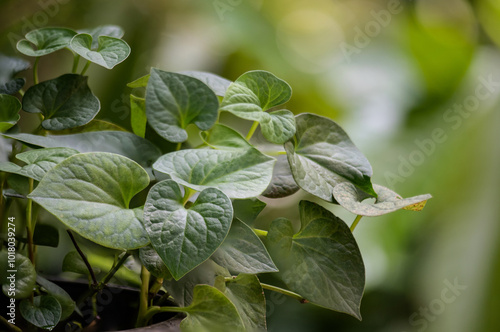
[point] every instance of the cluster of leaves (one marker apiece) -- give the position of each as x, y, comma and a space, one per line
194, 229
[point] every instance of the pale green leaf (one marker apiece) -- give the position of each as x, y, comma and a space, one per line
9, 111
173, 101
110, 51
103, 30
45, 41
282, 184
218, 84
153, 262
73, 262
138, 117
221, 137
185, 238
90, 193
44, 312
9, 68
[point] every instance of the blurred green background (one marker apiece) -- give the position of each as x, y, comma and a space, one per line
416, 85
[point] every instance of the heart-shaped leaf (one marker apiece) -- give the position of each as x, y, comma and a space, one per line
255, 92
211, 311
44, 312
173, 101
246, 293
282, 183
110, 51
221, 137
123, 143
103, 30
322, 156
67, 304
243, 252
9, 67
387, 201
239, 174
65, 102
90, 193
185, 238
18, 276
321, 262
9, 115
204, 274
153, 262
45, 41
247, 210
38, 162
138, 117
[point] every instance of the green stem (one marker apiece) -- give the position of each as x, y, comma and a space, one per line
143, 300
30, 227
178, 146
156, 310
21, 92
85, 68
355, 223
260, 232
188, 193
76, 59
35, 71
9, 326
285, 292
275, 153
252, 130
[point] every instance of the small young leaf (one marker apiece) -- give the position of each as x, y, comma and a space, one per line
173, 101
9, 115
110, 51
90, 193
67, 304
323, 156
123, 143
46, 41
141, 82
247, 210
20, 282
255, 92
73, 262
44, 312
322, 262
46, 235
9, 67
153, 262
246, 293
182, 289
211, 311
65, 102
387, 201
185, 238
218, 84
103, 30
239, 174
282, 183
243, 252
38, 162
138, 117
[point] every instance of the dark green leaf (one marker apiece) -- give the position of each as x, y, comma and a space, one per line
182, 289
321, 262
9, 67
211, 311
173, 101
67, 304
247, 210
138, 117
90, 193
38, 162
122, 143
103, 30
45, 41
246, 293
387, 201
9, 112
185, 238
65, 102
46, 235
239, 174
282, 183
153, 262
322, 156
110, 51
24, 277
44, 312
73, 262
243, 252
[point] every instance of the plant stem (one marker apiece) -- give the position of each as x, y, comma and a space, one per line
84, 258
76, 59
85, 68
143, 300
188, 193
115, 268
285, 292
355, 223
252, 130
9, 326
156, 286
35, 71
30, 227
178, 146
156, 310
275, 153
21, 92
260, 232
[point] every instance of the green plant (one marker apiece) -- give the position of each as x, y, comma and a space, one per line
184, 212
